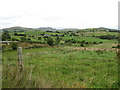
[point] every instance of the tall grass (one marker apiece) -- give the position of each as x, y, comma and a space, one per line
14, 78
61, 67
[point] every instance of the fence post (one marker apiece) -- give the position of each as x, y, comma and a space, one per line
20, 62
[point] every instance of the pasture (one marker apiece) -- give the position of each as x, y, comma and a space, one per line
61, 67
61, 59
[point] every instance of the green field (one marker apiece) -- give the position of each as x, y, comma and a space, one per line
66, 68
64, 59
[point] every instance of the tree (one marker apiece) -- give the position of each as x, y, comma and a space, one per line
39, 38
6, 36
50, 41
16, 34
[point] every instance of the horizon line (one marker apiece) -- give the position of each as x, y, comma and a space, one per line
55, 27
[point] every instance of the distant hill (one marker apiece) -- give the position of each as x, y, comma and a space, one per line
100, 29
47, 28
71, 29
16, 28
54, 29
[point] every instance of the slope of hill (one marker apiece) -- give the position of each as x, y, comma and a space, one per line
54, 29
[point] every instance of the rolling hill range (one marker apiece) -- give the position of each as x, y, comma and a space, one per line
54, 29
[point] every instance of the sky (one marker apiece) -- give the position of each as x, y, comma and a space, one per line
59, 13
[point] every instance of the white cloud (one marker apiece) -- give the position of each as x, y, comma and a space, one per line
59, 13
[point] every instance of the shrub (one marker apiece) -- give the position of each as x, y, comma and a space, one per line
93, 36
86, 42
82, 45
14, 39
50, 41
16, 34
29, 39
83, 41
101, 42
118, 46
39, 38
94, 43
14, 46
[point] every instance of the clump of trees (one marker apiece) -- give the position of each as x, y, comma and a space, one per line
6, 36
71, 41
109, 37
14, 39
24, 39
16, 34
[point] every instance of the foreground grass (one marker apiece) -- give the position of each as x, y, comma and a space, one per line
61, 67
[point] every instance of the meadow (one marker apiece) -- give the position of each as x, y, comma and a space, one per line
63, 64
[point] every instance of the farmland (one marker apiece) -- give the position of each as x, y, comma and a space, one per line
61, 59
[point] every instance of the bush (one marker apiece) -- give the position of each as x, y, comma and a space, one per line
118, 46
16, 34
28, 39
39, 38
83, 41
14, 46
50, 41
94, 43
82, 45
86, 43
14, 39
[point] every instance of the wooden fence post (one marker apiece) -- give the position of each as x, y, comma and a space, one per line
20, 59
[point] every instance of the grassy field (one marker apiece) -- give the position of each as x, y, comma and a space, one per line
89, 39
66, 68
75, 59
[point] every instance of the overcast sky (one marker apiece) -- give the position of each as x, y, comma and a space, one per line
59, 13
